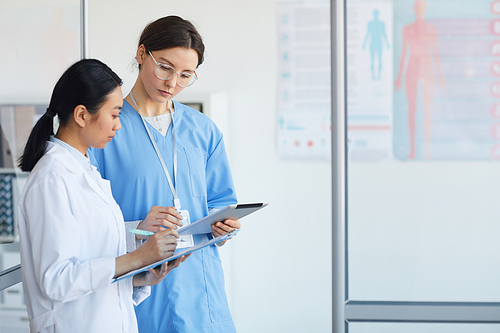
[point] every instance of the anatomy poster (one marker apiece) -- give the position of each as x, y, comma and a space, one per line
446, 80
369, 80
423, 80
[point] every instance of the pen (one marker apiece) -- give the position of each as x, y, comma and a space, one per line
141, 232
146, 233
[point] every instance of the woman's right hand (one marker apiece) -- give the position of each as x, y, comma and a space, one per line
159, 218
157, 247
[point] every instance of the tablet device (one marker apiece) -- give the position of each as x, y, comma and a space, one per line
178, 254
204, 225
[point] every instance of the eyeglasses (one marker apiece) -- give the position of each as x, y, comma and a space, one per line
166, 72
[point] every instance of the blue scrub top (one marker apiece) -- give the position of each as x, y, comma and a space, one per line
192, 297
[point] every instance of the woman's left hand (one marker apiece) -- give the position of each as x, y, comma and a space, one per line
155, 275
222, 228
176, 262
152, 277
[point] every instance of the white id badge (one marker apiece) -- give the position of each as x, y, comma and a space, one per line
185, 240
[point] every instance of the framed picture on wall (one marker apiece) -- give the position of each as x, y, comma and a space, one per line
195, 105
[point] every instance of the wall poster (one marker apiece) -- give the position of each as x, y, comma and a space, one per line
304, 119
447, 80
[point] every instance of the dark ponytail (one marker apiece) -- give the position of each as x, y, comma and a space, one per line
88, 82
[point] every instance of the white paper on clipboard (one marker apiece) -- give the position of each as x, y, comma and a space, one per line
204, 225
178, 254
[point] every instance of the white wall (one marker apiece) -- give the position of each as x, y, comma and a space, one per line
424, 231
278, 272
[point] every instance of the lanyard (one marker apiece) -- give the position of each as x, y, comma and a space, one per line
177, 201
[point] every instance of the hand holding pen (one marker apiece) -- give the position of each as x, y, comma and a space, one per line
159, 218
161, 244
158, 246
145, 234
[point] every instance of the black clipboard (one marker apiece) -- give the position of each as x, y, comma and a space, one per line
204, 225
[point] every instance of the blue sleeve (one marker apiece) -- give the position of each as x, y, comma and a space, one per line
220, 186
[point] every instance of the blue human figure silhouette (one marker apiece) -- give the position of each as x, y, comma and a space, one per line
376, 32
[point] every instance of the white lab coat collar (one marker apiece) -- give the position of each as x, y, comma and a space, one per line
72, 165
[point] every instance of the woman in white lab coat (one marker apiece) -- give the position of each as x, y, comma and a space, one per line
72, 233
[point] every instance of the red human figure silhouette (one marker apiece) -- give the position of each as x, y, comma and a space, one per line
420, 38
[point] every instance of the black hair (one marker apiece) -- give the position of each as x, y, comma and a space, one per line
87, 82
172, 31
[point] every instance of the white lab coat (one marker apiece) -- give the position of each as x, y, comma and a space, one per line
71, 230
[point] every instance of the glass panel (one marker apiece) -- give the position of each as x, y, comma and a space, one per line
43, 39
421, 327
423, 180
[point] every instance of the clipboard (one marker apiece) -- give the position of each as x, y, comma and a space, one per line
204, 225
177, 255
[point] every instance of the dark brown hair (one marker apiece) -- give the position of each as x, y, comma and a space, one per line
169, 32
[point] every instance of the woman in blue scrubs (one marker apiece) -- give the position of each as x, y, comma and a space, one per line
172, 158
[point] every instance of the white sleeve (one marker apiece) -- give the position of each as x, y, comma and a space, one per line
132, 242
52, 230
140, 294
